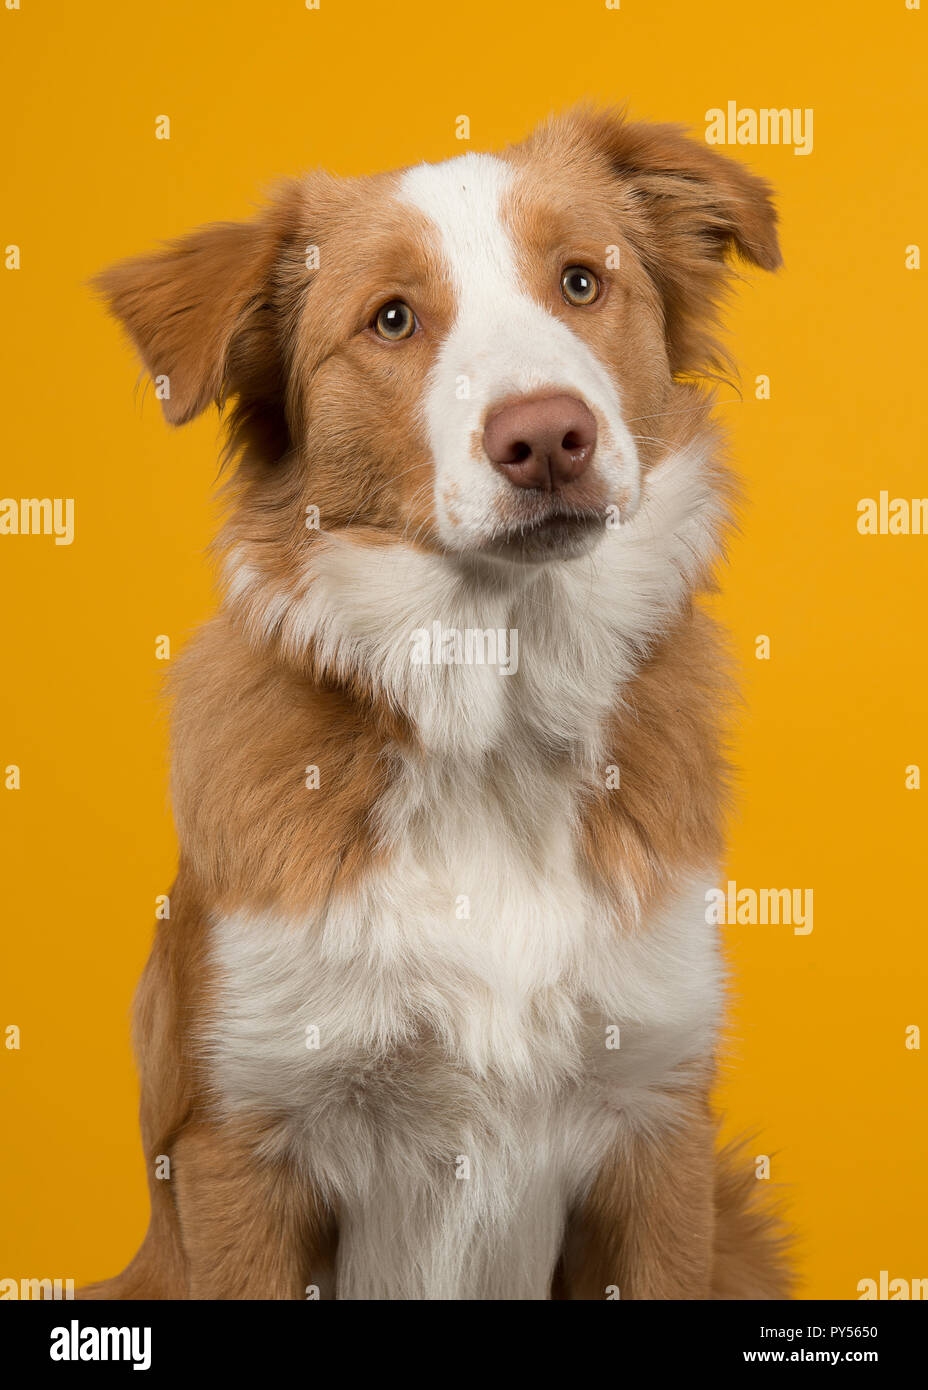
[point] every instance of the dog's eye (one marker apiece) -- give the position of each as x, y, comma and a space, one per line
579, 285
394, 321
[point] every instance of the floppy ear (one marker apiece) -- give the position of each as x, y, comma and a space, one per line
201, 312
690, 208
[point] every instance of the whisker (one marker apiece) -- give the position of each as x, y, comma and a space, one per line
686, 410
367, 497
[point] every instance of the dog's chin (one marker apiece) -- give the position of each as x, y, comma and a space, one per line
556, 537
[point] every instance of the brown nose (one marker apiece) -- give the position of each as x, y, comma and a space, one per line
542, 443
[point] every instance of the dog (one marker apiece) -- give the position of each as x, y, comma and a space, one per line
436, 1009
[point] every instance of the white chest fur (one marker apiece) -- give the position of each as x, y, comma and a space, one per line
440, 1049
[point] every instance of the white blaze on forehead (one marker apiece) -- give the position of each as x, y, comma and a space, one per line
463, 198
502, 343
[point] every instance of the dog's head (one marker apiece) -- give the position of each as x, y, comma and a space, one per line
479, 357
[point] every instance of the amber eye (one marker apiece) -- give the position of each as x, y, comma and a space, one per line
395, 321
579, 285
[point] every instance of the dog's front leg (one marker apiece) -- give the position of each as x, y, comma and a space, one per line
250, 1227
645, 1228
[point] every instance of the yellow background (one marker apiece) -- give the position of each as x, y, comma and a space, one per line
255, 89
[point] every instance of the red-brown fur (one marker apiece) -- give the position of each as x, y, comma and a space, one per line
322, 414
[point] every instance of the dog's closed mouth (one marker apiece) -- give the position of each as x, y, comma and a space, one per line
556, 533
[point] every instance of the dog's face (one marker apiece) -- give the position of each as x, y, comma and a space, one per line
485, 354
478, 357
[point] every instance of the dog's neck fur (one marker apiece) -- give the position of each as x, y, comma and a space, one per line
480, 963
584, 625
